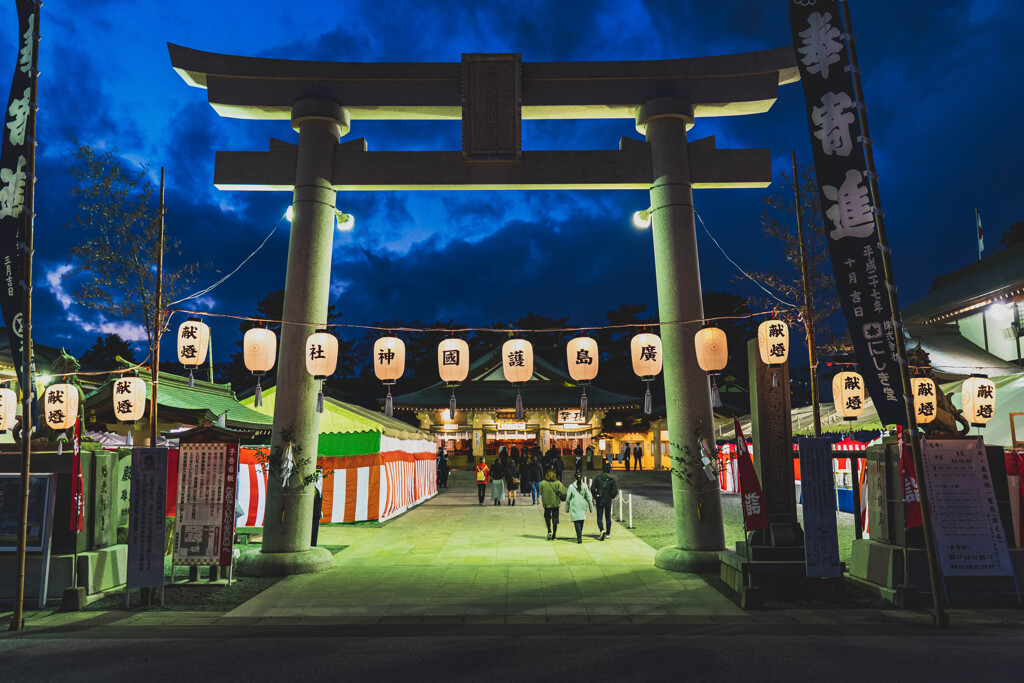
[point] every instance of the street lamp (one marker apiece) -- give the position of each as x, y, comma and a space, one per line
642, 219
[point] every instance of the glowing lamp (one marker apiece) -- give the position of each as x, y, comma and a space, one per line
712, 349
773, 342
8, 408
193, 342
645, 349
581, 356
60, 405
925, 406
517, 360
979, 400
848, 395
388, 359
321, 354
129, 398
259, 347
453, 360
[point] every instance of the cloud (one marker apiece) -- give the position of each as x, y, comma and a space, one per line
55, 279
132, 332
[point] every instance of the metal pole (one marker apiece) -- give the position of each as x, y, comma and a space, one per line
808, 314
28, 388
940, 616
158, 318
631, 511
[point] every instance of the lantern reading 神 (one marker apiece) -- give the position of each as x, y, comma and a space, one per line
773, 342
8, 409
925, 405
259, 347
453, 364
129, 397
712, 349
193, 344
848, 395
321, 360
517, 364
388, 364
581, 356
60, 405
645, 348
979, 400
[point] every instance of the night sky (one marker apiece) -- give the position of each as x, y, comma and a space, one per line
942, 80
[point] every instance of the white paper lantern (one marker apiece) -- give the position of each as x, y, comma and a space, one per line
259, 347
60, 405
8, 408
712, 349
321, 354
193, 342
645, 349
848, 395
979, 400
925, 405
453, 360
388, 359
129, 398
517, 360
581, 356
773, 342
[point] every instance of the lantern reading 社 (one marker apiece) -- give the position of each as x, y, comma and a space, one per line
979, 400
848, 395
581, 356
321, 354
453, 360
129, 397
8, 408
517, 360
712, 349
193, 342
259, 348
773, 342
60, 405
925, 404
388, 359
645, 349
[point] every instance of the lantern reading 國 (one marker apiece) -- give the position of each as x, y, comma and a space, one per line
8, 409
453, 360
925, 405
60, 405
848, 395
388, 359
517, 364
129, 397
712, 349
979, 400
773, 342
581, 357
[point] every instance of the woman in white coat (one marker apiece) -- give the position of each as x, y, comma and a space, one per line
578, 502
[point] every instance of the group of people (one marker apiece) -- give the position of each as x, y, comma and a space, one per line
579, 500
513, 472
636, 451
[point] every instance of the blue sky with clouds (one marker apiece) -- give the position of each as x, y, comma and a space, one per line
942, 80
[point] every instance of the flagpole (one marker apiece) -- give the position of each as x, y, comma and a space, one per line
941, 618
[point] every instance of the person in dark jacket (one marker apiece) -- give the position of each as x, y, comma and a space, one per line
498, 480
604, 490
534, 473
589, 457
511, 481
626, 451
638, 455
558, 465
578, 457
442, 472
514, 453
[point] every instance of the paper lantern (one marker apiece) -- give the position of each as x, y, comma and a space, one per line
581, 356
848, 395
388, 359
60, 405
517, 360
8, 409
259, 348
646, 351
773, 342
925, 405
453, 360
712, 349
193, 342
129, 397
321, 354
979, 400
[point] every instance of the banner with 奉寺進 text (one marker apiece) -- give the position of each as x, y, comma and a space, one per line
844, 192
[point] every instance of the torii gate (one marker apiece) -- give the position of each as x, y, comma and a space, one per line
491, 94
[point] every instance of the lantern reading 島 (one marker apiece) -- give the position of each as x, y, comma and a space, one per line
259, 347
848, 395
321, 360
581, 357
129, 397
8, 409
645, 349
773, 342
517, 364
979, 400
388, 364
453, 364
60, 405
925, 404
193, 345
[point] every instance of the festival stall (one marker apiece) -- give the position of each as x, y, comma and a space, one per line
374, 467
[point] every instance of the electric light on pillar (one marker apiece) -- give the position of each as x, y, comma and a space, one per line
60, 405
193, 345
517, 364
925, 405
388, 364
321, 360
642, 219
129, 397
645, 349
979, 400
848, 395
259, 348
453, 364
712, 356
773, 342
582, 359
8, 409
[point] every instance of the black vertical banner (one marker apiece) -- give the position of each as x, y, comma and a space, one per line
818, 42
15, 155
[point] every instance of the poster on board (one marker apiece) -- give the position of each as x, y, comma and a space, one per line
817, 490
205, 511
146, 518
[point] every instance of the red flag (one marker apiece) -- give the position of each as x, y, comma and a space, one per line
77, 482
751, 496
911, 497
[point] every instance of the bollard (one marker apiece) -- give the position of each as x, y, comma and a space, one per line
631, 511
621, 496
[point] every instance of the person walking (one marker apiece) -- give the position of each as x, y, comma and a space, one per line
511, 480
483, 478
558, 465
525, 479
578, 502
638, 456
590, 457
534, 473
604, 490
625, 455
514, 453
578, 457
552, 493
497, 481
442, 471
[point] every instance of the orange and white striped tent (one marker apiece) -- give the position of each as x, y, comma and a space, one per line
374, 467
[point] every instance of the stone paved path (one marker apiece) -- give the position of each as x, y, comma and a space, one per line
451, 557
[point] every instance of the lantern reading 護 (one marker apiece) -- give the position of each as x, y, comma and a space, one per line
517, 364
129, 398
60, 405
979, 399
925, 404
848, 395
259, 347
8, 409
582, 359
193, 345
453, 364
388, 364
321, 360
645, 349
